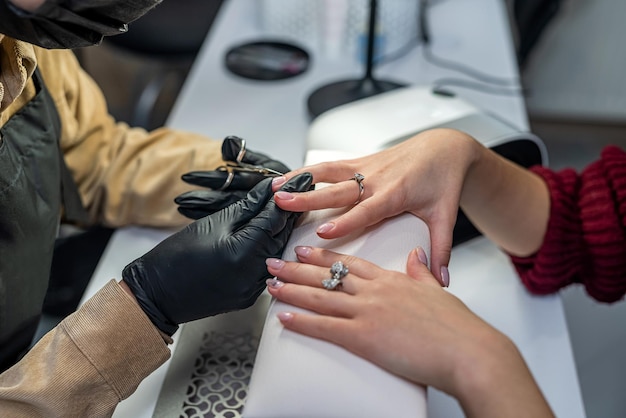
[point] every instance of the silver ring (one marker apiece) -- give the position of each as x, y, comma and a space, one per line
338, 271
229, 180
242, 151
359, 178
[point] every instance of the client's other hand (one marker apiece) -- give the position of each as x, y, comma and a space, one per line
407, 324
215, 264
244, 169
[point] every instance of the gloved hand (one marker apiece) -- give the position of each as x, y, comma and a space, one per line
247, 168
215, 264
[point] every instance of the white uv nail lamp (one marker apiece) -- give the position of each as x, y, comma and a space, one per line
378, 122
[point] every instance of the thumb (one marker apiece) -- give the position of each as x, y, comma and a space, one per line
271, 228
417, 267
241, 212
300, 183
276, 216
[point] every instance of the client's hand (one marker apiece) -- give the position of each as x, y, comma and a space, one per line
410, 326
215, 264
230, 184
423, 175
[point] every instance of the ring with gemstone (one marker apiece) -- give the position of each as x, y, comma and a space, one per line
338, 271
359, 178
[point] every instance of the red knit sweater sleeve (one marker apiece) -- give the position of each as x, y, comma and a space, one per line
585, 241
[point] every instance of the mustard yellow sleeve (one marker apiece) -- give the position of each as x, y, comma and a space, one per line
84, 367
125, 175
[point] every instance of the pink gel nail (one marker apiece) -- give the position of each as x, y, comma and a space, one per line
278, 181
445, 276
285, 316
283, 195
421, 255
275, 263
325, 228
303, 251
274, 283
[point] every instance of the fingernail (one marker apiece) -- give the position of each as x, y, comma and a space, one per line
283, 195
278, 181
284, 316
274, 283
303, 251
275, 263
445, 276
421, 255
325, 228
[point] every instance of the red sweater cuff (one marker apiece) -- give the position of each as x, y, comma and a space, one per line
556, 264
585, 239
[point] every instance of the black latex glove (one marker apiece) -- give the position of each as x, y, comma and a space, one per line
200, 203
215, 264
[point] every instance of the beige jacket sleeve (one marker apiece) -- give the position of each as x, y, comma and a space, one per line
84, 367
125, 175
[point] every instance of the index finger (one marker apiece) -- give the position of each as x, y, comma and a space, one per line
366, 213
322, 257
337, 195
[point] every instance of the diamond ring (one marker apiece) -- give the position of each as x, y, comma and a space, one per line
338, 271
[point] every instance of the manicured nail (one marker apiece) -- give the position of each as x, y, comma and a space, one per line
325, 228
274, 283
421, 255
303, 251
275, 263
279, 181
445, 276
283, 195
284, 316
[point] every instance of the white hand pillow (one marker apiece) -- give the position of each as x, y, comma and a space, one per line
295, 376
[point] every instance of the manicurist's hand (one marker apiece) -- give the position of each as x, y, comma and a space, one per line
410, 326
217, 263
224, 187
423, 175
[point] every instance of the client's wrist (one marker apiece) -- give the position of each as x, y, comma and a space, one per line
493, 380
479, 367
